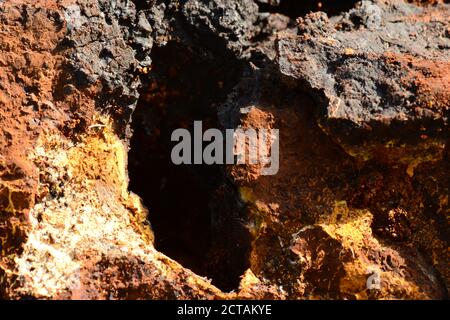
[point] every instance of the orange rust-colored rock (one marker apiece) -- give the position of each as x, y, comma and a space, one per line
358, 209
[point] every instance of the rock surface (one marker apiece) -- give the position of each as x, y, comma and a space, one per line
381, 77
361, 99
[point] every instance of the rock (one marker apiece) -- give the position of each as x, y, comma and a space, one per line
375, 75
359, 206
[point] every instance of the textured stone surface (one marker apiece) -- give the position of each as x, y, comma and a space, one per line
381, 75
361, 99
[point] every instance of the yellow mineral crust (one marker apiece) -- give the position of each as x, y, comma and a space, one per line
93, 213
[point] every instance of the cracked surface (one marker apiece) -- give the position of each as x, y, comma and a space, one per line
361, 98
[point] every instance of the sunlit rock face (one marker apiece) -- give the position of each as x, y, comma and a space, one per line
92, 206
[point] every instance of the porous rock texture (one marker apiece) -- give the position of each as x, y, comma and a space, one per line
361, 99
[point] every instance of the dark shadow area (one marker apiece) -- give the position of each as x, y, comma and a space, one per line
192, 207
299, 8
142, 4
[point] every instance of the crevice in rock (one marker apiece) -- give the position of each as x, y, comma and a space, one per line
141, 4
296, 8
193, 209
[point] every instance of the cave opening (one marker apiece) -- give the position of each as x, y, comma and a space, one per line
299, 8
194, 210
